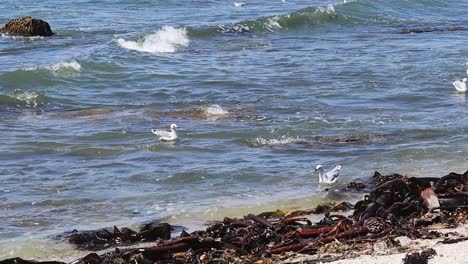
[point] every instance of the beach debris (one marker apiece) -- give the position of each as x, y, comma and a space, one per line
356, 185
396, 206
104, 238
22, 261
27, 27
419, 257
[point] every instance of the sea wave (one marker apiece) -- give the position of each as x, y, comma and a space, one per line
359, 138
20, 98
209, 112
166, 40
303, 17
307, 16
348, 13
62, 68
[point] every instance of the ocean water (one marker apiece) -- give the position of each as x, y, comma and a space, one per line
261, 95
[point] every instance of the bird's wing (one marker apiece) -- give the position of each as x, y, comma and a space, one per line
459, 85
161, 133
333, 175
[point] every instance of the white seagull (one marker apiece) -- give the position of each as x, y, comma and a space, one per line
329, 177
239, 4
166, 135
460, 85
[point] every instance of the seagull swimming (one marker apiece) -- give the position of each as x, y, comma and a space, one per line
166, 135
239, 4
460, 85
329, 177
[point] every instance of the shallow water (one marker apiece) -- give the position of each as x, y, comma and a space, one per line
261, 94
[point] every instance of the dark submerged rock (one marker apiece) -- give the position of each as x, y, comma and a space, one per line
22, 261
104, 238
28, 27
419, 257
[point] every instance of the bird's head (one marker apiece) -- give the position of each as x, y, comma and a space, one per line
338, 167
318, 167
173, 126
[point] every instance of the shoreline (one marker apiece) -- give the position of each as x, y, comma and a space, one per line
399, 214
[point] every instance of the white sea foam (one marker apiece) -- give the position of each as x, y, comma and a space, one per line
283, 140
61, 68
214, 110
26, 38
329, 9
65, 66
167, 39
272, 23
27, 97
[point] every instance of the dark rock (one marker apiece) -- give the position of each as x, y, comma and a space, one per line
419, 258
356, 185
22, 261
153, 230
28, 27
92, 258
103, 238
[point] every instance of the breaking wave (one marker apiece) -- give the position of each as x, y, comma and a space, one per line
22, 98
61, 68
348, 13
167, 39
360, 138
307, 16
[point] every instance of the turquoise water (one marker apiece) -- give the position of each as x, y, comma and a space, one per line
261, 95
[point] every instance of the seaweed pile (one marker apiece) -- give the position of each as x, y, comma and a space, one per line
396, 205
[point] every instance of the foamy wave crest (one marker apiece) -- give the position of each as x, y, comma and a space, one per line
283, 140
329, 9
65, 67
61, 68
168, 39
214, 110
273, 23
9, 36
307, 16
22, 98
29, 98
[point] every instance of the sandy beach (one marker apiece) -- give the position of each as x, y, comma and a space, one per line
381, 253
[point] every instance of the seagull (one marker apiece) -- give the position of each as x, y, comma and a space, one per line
239, 4
166, 135
460, 85
329, 177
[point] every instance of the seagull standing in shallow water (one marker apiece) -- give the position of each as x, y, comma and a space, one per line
460, 85
166, 135
329, 177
